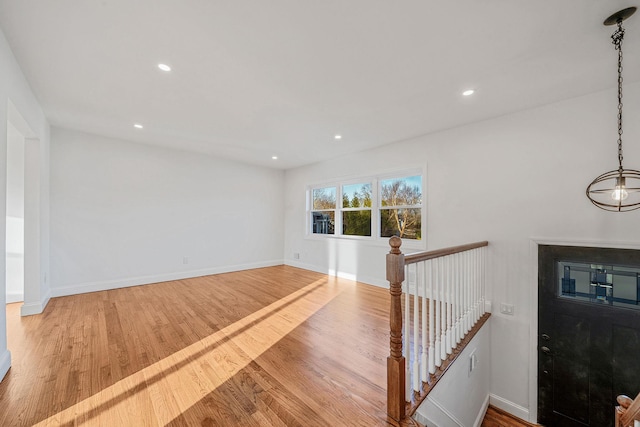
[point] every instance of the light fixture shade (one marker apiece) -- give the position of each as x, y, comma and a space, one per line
616, 190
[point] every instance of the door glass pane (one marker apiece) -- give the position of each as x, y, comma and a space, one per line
600, 284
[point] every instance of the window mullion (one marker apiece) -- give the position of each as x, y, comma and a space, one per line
339, 207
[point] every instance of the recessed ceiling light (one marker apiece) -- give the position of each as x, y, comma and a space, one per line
338, 137
164, 67
138, 126
468, 92
274, 157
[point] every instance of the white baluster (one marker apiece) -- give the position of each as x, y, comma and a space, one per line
424, 361
454, 303
432, 317
471, 279
438, 311
478, 283
416, 332
458, 298
472, 303
443, 310
474, 288
483, 266
454, 306
405, 338
463, 294
449, 303
467, 293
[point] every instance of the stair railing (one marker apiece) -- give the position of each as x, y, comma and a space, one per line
443, 298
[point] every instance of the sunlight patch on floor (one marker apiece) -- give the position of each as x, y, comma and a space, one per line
161, 392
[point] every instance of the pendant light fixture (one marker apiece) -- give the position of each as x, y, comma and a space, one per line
617, 190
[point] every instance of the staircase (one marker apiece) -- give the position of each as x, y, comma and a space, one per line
434, 314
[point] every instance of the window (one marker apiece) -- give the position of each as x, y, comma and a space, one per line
356, 210
611, 284
400, 207
324, 210
370, 208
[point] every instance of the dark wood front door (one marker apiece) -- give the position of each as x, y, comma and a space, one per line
588, 333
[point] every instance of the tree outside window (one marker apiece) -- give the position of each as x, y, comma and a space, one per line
356, 209
401, 207
370, 208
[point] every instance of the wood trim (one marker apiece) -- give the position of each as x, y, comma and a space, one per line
424, 256
396, 363
631, 413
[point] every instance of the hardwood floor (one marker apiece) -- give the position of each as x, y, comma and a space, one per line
270, 347
498, 418
277, 346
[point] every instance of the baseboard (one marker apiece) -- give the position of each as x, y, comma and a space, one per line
444, 410
5, 363
482, 413
106, 285
14, 297
31, 308
510, 407
341, 274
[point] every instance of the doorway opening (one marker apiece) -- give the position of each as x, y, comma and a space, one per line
23, 216
15, 215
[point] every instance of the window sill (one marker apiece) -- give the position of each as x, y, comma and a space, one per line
410, 245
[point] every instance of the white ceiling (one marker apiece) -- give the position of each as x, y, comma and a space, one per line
252, 79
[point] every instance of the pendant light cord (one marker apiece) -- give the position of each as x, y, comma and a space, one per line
617, 37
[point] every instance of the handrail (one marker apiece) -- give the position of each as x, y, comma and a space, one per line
444, 304
628, 411
424, 256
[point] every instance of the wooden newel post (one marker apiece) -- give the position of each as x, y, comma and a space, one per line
396, 380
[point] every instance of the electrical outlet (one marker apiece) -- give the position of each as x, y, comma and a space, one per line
296, 255
185, 260
506, 309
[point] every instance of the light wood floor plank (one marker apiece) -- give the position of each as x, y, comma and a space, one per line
498, 418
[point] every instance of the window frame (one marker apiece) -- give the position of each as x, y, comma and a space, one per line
334, 209
376, 208
342, 209
421, 206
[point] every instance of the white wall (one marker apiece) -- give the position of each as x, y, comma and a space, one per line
15, 173
19, 106
15, 259
461, 397
15, 215
506, 180
125, 214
